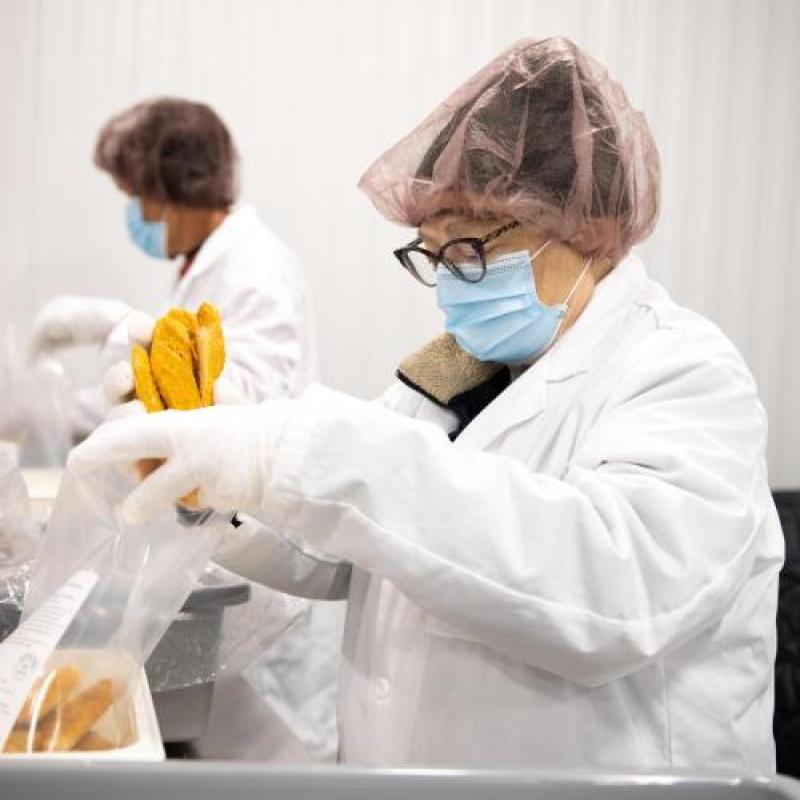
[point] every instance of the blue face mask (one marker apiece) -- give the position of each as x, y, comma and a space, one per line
149, 236
501, 318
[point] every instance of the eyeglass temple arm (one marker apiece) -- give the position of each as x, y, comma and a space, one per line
490, 237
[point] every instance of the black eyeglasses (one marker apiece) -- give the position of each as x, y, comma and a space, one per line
467, 251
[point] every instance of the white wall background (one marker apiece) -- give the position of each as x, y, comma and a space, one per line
314, 90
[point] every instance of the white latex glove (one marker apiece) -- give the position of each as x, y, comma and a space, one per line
140, 328
68, 321
227, 452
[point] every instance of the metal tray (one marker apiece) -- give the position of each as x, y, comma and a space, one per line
181, 668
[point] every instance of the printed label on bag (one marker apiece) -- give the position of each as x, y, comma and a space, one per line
25, 652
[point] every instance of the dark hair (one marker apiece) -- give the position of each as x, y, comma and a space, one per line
171, 150
541, 135
547, 161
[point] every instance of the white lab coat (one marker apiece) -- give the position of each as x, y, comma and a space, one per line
586, 578
257, 285
259, 288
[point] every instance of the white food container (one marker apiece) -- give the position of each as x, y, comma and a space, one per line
131, 718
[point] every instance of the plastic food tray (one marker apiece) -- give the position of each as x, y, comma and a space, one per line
137, 718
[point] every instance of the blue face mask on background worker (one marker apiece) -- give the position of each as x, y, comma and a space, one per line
151, 237
501, 318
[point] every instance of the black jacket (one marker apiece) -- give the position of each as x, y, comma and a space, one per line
786, 724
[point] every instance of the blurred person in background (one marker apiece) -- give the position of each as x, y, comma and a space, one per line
176, 162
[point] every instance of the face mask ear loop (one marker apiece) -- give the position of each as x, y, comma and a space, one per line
540, 251
566, 302
578, 282
532, 259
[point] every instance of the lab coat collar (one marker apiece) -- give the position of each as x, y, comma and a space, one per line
233, 226
572, 355
575, 352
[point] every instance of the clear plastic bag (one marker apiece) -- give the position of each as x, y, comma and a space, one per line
19, 539
122, 586
224, 625
251, 629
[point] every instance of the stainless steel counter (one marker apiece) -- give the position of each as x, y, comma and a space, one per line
179, 780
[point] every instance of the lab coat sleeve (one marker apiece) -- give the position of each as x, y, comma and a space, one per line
259, 554
263, 339
642, 542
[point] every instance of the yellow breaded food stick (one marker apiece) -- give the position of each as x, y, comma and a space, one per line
143, 380
69, 722
92, 742
186, 318
47, 693
191, 501
17, 741
147, 466
189, 321
173, 365
210, 351
187, 355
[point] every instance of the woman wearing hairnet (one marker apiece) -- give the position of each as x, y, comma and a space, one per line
176, 161
554, 532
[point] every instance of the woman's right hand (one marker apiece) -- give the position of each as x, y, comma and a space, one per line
225, 452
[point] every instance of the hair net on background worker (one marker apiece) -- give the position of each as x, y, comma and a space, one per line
542, 135
170, 150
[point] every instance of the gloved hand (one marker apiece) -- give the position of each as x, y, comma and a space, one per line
226, 452
68, 321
